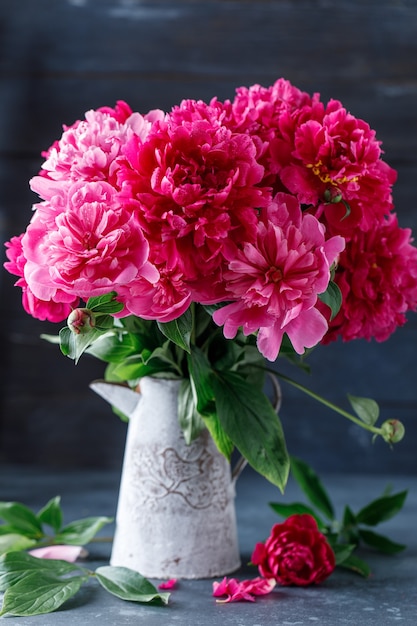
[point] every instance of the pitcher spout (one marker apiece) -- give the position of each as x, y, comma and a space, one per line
120, 396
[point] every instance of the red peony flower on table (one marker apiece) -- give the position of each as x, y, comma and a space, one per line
295, 553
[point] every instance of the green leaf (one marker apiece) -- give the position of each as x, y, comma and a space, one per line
357, 565
200, 377
311, 485
381, 509
296, 508
105, 304
179, 330
342, 552
14, 541
73, 346
333, 298
223, 442
250, 421
129, 585
191, 422
380, 542
81, 532
51, 514
114, 347
365, 408
14, 566
39, 592
21, 518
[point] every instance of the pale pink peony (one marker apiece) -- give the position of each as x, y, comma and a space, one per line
274, 283
88, 247
88, 150
377, 274
234, 590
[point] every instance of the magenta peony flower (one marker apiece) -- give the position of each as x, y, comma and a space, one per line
85, 244
377, 274
325, 149
295, 553
193, 185
274, 282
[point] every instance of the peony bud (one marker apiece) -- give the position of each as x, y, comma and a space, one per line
81, 321
392, 431
333, 195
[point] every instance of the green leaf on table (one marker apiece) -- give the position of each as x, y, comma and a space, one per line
40, 592
13, 541
312, 487
128, 584
342, 552
296, 508
51, 514
365, 408
21, 518
179, 330
381, 509
357, 565
81, 532
14, 566
249, 420
380, 542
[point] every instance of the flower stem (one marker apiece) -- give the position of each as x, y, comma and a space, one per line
325, 402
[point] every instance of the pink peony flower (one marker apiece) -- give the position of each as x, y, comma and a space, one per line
193, 185
84, 243
295, 553
88, 150
377, 274
236, 591
53, 310
274, 282
325, 149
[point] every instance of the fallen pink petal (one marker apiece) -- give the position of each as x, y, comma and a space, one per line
234, 590
168, 584
60, 552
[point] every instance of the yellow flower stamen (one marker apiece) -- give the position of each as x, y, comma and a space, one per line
325, 178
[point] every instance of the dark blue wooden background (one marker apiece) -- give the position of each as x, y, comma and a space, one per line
59, 58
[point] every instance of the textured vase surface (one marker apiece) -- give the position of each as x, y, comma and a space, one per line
176, 509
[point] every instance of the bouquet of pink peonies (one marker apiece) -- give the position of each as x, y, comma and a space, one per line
197, 243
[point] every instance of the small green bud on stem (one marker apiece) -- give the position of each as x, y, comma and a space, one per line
392, 431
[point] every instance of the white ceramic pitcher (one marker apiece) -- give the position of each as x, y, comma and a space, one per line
176, 509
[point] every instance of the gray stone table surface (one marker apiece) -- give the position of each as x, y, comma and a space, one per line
389, 596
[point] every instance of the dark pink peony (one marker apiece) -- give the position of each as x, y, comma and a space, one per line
193, 185
295, 553
377, 274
